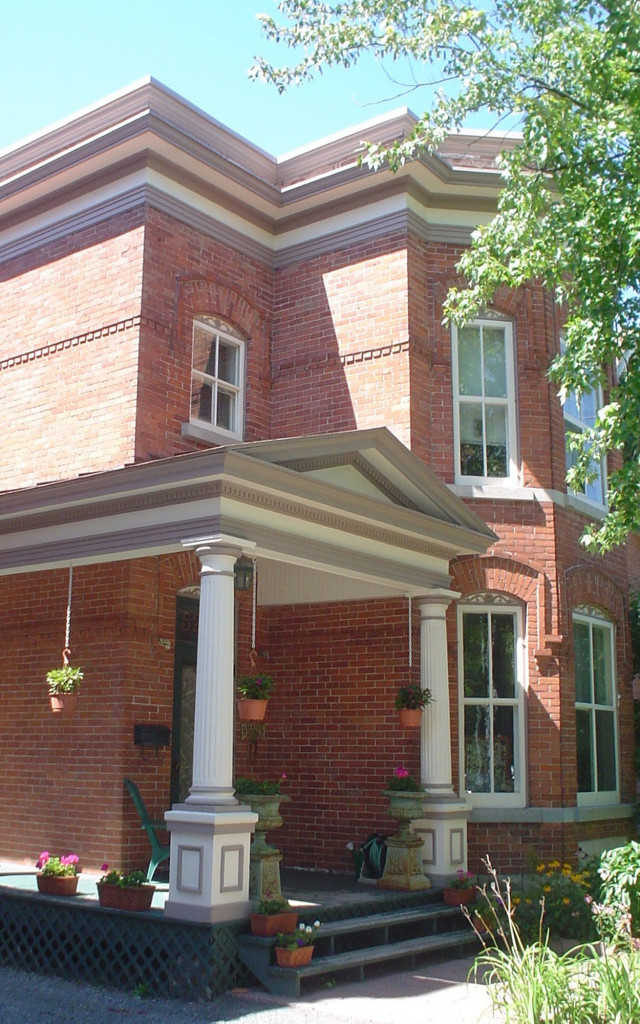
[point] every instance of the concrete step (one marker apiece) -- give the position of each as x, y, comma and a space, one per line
355, 944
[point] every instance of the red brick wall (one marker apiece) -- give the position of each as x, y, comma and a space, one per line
331, 725
69, 354
340, 348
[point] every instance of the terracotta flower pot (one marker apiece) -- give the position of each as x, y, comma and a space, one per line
131, 897
268, 925
57, 885
294, 957
459, 897
251, 710
63, 702
410, 718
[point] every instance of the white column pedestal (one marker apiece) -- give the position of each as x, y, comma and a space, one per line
209, 868
443, 831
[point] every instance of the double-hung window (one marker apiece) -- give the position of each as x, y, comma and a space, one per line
578, 414
596, 734
491, 665
217, 379
484, 402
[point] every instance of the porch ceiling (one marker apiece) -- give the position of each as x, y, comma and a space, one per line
356, 505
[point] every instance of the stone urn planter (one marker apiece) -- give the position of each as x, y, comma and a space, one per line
57, 885
129, 897
403, 866
264, 867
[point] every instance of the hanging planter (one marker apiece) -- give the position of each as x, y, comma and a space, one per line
63, 685
410, 702
64, 682
253, 696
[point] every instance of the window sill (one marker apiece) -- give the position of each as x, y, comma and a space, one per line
201, 432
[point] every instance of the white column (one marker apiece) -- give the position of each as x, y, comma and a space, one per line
213, 724
435, 753
211, 831
443, 829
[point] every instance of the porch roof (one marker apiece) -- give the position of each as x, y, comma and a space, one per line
356, 505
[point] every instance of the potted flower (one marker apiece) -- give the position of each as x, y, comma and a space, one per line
125, 890
253, 694
63, 688
295, 949
272, 916
460, 890
409, 702
57, 876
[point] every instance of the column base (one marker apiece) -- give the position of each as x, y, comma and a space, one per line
209, 866
402, 868
443, 832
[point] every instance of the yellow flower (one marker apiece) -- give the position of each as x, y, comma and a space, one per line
540, 867
547, 888
566, 900
527, 900
516, 900
554, 863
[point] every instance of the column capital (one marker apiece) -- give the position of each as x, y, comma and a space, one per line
439, 596
219, 544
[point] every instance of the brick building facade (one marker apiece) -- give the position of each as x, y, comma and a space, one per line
200, 345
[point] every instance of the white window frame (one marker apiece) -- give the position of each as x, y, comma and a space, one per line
509, 403
209, 429
496, 605
577, 424
592, 618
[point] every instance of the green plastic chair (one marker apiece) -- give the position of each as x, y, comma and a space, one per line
159, 852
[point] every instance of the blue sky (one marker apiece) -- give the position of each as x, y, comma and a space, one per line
58, 57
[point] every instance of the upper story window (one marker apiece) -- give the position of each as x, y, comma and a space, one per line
578, 414
596, 733
217, 380
491, 665
484, 402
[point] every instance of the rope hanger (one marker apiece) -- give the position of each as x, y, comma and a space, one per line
67, 634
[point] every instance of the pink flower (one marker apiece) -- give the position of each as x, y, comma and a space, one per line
400, 773
71, 858
105, 867
42, 859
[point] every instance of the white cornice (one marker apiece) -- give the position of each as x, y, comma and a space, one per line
84, 166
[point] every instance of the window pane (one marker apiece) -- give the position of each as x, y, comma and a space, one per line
228, 362
503, 737
496, 417
477, 745
606, 747
225, 410
588, 408
495, 363
201, 401
469, 361
602, 670
583, 751
503, 655
471, 440
475, 639
204, 351
582, 655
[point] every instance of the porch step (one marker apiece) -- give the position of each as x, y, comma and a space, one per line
358, 943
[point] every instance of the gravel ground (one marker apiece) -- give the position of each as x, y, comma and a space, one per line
438, 994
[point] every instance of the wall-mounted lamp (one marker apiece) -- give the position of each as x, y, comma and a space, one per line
243, 571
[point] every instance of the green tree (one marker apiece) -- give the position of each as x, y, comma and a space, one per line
567, 73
